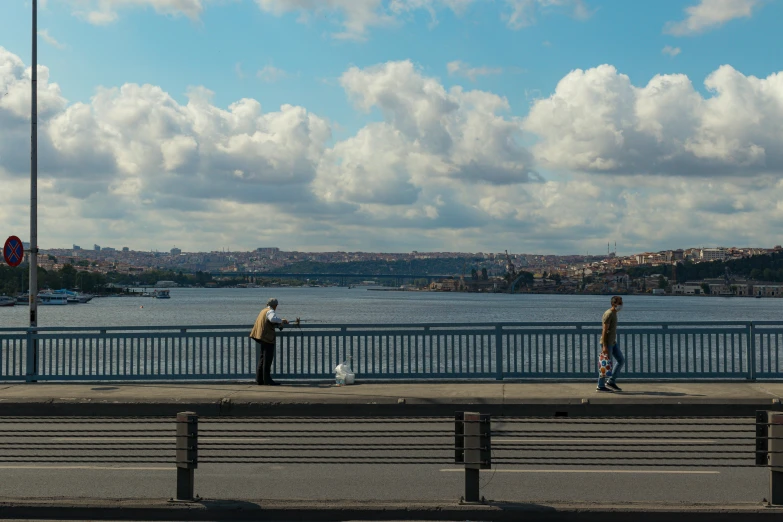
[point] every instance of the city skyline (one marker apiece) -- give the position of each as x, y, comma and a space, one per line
393, 126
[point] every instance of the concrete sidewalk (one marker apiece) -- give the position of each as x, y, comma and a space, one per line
212, 510
506, 398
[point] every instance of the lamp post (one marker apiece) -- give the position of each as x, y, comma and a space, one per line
33, 349
34, 177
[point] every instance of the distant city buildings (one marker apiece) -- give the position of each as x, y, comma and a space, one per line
573, 273
713, 254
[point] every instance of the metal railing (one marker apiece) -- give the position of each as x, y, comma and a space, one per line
475, 441
673, 350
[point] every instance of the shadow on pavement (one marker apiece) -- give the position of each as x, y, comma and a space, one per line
660, 394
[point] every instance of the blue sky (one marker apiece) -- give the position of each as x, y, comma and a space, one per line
275, 53
175, 52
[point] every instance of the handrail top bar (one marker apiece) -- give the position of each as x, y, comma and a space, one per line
395, 326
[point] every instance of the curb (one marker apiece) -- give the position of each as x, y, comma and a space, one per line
217, 510
542, 408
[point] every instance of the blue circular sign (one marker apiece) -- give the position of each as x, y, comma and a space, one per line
13, 251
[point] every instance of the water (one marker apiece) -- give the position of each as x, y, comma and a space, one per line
236, 306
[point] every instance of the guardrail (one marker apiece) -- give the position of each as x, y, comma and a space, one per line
475, 441
672, 350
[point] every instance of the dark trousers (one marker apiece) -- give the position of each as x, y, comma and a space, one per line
265, 363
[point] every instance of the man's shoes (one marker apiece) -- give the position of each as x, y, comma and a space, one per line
273, 383
613, 386
603, 389
260, 383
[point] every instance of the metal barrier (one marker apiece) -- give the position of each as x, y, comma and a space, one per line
476, 441
674, 350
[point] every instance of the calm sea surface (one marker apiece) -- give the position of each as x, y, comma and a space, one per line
191, 306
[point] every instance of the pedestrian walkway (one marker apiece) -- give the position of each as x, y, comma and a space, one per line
445, 396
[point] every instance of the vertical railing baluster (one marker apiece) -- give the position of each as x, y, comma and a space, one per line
412, 352
759, 350
499, 352
667, 345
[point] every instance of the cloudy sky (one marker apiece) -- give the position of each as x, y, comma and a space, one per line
550, 126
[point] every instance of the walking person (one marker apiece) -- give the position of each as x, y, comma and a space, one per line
263, 333
610, 349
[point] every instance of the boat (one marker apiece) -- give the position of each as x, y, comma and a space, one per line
23, 299
73, 297
161, 294
50, 298
7, 301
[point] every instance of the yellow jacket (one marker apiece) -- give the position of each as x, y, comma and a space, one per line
263, 330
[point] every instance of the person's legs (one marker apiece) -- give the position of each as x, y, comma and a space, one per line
601, 374
260, 365
618, 365
269, 358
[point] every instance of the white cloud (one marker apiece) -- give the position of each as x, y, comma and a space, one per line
444, 169
358, 16
524, 13
711, 14
597, 121
671, 51
271, 74
459, 68
102, 12
44, 33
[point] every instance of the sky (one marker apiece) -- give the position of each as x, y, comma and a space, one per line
537, 126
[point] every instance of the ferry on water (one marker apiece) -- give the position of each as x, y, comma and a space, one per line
161, 294
73, 297
50, 298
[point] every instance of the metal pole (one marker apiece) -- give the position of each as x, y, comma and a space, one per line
472, 455
32, 350
775, 458
187, 455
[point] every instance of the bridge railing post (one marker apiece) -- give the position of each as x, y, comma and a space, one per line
473, 449
187, 454
775, 457
31, 356
751, 352
499, 367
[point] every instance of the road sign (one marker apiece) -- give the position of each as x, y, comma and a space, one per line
13, 251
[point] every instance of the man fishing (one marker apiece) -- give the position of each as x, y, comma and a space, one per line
263, 333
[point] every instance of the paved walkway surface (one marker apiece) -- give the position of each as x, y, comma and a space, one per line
397, 393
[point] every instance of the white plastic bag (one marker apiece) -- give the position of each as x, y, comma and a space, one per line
343, 373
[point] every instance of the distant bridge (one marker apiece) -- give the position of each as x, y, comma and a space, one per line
331, 276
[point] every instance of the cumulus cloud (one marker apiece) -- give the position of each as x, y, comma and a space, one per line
597, 121
711, 14
137, 142
429, 135
102, 12
460, 68
443, 169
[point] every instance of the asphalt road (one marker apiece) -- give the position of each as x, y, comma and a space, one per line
611, 452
